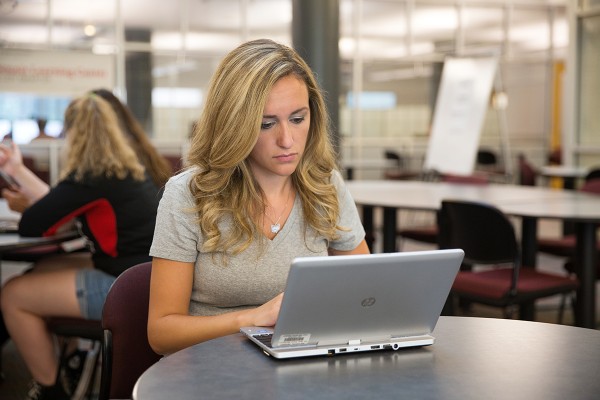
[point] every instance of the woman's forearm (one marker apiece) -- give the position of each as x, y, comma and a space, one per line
172, 333
30, 184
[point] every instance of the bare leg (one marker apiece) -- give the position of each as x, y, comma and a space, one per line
26, 301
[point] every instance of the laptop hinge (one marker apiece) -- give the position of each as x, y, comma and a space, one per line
354, 342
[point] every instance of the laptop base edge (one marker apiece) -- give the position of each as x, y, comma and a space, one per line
313, 350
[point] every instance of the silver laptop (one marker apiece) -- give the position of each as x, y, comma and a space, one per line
344, 304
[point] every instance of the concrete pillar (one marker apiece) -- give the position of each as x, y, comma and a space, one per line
315, 36
138, 82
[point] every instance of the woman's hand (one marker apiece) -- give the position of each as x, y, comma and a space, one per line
16, 200
29, 188
11, 158
266, 315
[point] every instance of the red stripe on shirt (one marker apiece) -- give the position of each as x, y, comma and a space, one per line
101, 220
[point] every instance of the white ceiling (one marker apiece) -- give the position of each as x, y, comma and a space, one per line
392, 49
215, 26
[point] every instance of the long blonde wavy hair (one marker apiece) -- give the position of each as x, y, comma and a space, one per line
155, 164
223, 184
96, 146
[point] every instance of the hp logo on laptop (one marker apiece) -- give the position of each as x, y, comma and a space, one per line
368, 302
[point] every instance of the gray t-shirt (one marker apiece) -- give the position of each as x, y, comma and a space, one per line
252, 277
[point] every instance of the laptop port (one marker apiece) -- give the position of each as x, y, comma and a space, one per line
375, 347
342, 350
330, 352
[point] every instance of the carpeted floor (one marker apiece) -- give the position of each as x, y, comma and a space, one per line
16, 376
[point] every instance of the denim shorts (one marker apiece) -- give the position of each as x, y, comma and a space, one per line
92, 286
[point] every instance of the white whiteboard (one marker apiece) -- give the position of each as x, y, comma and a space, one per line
461, 105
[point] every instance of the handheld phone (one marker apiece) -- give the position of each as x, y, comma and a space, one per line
10, 181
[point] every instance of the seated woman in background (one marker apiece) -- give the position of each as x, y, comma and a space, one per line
261, 189
155, 164
106, 191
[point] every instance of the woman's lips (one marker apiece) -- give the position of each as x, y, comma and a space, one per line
286, 157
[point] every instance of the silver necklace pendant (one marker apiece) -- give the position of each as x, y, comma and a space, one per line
275, 228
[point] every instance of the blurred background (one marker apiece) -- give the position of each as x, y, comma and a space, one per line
159, 56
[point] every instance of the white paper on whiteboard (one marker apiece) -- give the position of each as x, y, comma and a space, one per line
460, 108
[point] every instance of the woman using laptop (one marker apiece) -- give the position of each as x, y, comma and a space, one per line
262, 188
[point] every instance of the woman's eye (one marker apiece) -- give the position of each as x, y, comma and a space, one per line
267, 125
297, 120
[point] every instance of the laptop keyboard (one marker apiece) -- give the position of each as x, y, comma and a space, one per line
265, 338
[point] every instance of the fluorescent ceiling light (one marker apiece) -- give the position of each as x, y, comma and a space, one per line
173, 69
371, 100
89, 30
427, 21
176, 97
418, 71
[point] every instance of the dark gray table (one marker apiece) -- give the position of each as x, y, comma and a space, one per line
12, 241
472, 358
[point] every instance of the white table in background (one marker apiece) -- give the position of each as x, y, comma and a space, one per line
569, 174
530, 203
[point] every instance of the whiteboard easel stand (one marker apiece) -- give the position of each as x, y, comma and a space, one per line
503, 122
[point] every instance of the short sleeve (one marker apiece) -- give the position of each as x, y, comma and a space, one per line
177, 233
354, 232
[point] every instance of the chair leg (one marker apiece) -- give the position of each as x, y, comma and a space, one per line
62, 355
448, 309
527, 311
509, 312
1, 371
4, 337
561, 308
86, 382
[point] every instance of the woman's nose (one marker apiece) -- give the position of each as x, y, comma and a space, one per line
285, 138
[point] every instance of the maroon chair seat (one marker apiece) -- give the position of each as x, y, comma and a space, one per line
495, 285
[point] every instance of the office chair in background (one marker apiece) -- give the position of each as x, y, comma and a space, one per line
400, 170
527, 173
429, 233
488, 238
594, 173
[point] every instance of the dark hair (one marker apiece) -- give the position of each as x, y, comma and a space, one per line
41, 122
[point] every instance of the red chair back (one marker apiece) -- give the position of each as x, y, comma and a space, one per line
126, 351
